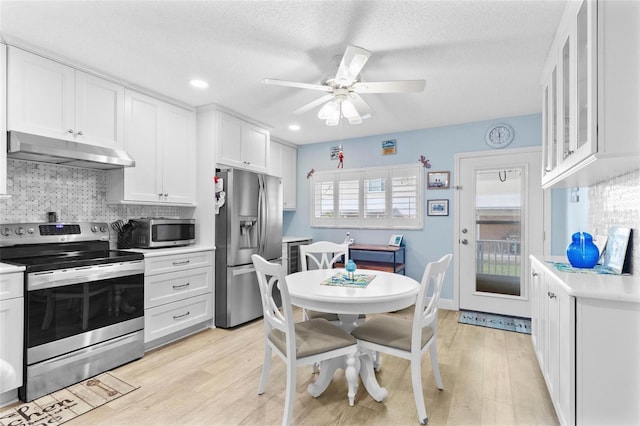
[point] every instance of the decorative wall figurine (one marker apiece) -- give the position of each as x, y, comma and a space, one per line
334, 151
340, 160
310, 173
425, 162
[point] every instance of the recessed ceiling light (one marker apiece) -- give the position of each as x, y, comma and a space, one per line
294, 127
200, 84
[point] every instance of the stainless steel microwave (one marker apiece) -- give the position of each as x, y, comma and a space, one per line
161, 232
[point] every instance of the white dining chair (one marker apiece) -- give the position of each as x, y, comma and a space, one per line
409, 339
324, 255
301, 343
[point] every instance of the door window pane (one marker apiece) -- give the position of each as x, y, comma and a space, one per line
498, 231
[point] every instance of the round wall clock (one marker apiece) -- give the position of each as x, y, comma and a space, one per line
499, 136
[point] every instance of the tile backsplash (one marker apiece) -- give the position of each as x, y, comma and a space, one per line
616, 202
75, 194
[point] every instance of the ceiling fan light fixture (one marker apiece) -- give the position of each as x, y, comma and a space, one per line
350, 112
329, 109
333, 120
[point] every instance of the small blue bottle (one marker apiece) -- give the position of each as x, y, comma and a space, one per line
582, 252
351, 268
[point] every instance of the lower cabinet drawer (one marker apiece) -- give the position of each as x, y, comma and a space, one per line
166, 319
177, 262
174, 286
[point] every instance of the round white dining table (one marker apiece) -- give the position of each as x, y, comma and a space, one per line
387, 292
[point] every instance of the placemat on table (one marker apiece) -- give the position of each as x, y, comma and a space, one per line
341, 279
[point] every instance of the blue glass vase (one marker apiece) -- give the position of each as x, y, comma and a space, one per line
351, 268
582, 252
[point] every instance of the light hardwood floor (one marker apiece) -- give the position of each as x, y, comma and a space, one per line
491, 377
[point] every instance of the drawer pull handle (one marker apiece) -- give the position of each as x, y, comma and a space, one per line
184, 262
535, 274
175, 287
551, 295
175, 317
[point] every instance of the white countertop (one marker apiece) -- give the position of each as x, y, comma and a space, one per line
623, 288
287, 239
173, 250
6, 268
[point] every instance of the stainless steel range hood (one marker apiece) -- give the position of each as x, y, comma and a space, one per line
24, 146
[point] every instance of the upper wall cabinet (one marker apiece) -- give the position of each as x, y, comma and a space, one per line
283, 164
161, 139
590, 88
50, 99
3, 120
242, 144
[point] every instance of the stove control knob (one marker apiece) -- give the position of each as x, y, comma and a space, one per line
94, 228
30, 230
20, 231
103, 228
6, 231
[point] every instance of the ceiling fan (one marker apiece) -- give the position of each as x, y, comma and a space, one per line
343, 98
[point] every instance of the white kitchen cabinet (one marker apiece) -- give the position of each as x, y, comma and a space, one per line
178, 295
51, 99
590, 85
283, 164
586, 336
289, 172
161, 139
242, 144
3, 120
11, 331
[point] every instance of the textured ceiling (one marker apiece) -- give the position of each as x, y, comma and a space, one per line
481, 59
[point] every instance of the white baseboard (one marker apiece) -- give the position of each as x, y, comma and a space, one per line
448, 304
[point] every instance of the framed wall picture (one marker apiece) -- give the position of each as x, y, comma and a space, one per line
438, 180
617, 249
395, 240
389, 147
437, 207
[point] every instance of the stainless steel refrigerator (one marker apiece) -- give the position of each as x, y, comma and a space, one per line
250, 222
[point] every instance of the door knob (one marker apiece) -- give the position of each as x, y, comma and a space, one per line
465, 242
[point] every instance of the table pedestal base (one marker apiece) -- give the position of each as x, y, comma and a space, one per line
362, 364
349, 364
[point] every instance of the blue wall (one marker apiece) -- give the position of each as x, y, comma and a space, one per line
439, 145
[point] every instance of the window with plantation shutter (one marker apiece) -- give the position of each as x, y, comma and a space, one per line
379, 197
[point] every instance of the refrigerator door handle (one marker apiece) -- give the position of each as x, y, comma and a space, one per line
261, 215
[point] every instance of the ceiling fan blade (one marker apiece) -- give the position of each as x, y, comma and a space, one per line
312, 105
363, 108
351, 64
286, 83
399, 86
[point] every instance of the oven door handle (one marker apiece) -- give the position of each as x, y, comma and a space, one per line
83, 274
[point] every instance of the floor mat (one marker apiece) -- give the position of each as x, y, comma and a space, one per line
66, 404
501, 322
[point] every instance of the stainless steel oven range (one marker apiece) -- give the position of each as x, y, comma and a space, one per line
84, 303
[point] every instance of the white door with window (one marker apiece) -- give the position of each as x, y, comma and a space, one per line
499, 223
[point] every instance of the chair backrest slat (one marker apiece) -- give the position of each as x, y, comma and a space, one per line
427, 314
324, 254
271, 276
